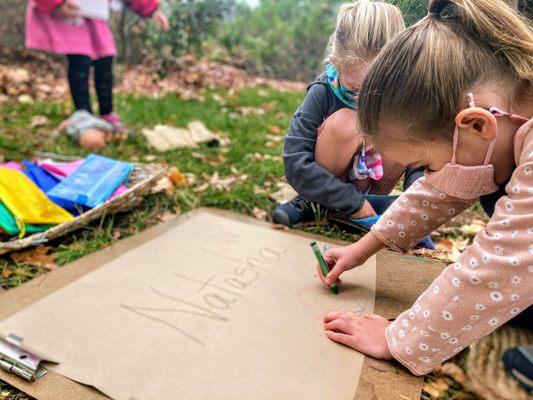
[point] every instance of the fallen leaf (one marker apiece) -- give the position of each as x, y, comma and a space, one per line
37, 257
285, 193
199, 156
116, 234
25, 99
6, 273
436, 387
258, 190
178, 179
201, 188
259, 213
38, 120
167, 216
453, 371
472, 229
163, 185
276, 130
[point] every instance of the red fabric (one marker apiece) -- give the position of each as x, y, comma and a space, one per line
47, 5
144, 8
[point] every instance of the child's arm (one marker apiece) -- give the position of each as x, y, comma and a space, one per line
145, 8
150, 8
307, 177
415, 214
51, 5
488, 285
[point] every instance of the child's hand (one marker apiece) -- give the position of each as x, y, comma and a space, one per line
366, 334
68, 9
161, 21
340, 259
365, 212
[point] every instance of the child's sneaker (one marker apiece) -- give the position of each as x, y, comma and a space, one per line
114, 120
294, 212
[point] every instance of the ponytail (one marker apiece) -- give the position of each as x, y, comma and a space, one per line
497, 25
420, 78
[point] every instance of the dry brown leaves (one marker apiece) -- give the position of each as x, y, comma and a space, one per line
446, 382
37, 257
260, 214
32, 82
225, 183
44, 77
452, 238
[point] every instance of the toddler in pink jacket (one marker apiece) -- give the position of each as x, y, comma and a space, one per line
55, 26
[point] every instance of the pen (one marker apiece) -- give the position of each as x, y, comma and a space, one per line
318, 254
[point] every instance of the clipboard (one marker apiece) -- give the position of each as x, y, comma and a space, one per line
97, 9
379, 380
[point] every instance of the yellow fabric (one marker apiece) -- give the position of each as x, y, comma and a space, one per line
27, 202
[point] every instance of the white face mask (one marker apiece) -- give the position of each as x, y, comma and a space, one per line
468, 182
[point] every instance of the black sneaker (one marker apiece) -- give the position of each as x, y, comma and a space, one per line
294, 212
518, 362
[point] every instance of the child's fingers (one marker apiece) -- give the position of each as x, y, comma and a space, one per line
334, 274
339, 337
333, 315
322, 277
339, 325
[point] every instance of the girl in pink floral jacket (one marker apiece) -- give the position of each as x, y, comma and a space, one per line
55, 26
468, 120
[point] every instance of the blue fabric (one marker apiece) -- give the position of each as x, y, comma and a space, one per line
342, 92
93, 182
380, 203
45, 182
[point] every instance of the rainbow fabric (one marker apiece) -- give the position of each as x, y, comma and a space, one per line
368, 164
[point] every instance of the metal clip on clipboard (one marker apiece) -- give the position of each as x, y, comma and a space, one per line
14, 358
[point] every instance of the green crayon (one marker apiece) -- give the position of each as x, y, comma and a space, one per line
334, 288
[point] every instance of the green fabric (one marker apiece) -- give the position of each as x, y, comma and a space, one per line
9, 225
342, 92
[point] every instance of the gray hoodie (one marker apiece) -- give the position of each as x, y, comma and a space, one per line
309, 179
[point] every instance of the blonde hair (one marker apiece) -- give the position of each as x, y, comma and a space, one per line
363, 28
421, 77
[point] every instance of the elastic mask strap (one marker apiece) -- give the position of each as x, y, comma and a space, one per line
455, 143
500, 113
489, 152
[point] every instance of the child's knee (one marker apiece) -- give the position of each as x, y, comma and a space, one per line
341, 126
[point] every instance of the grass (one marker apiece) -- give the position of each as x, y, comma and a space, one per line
251, 119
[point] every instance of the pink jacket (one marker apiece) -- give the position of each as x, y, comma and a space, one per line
488, 285
48, 32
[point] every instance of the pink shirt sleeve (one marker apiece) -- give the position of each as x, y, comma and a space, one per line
144, 8
488, 285
415, 214
47, 5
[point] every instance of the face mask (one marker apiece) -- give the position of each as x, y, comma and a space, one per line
344, 94
468, 182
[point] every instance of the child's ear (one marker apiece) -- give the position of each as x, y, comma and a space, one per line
478, 121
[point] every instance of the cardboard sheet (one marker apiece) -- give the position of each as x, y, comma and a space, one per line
212, 308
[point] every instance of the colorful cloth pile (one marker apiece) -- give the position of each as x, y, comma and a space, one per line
35, 196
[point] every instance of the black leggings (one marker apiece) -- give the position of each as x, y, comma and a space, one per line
78, 79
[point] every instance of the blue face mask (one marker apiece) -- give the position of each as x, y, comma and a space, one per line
347, 96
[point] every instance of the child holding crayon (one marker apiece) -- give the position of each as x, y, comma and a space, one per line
326, 160
468, 70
